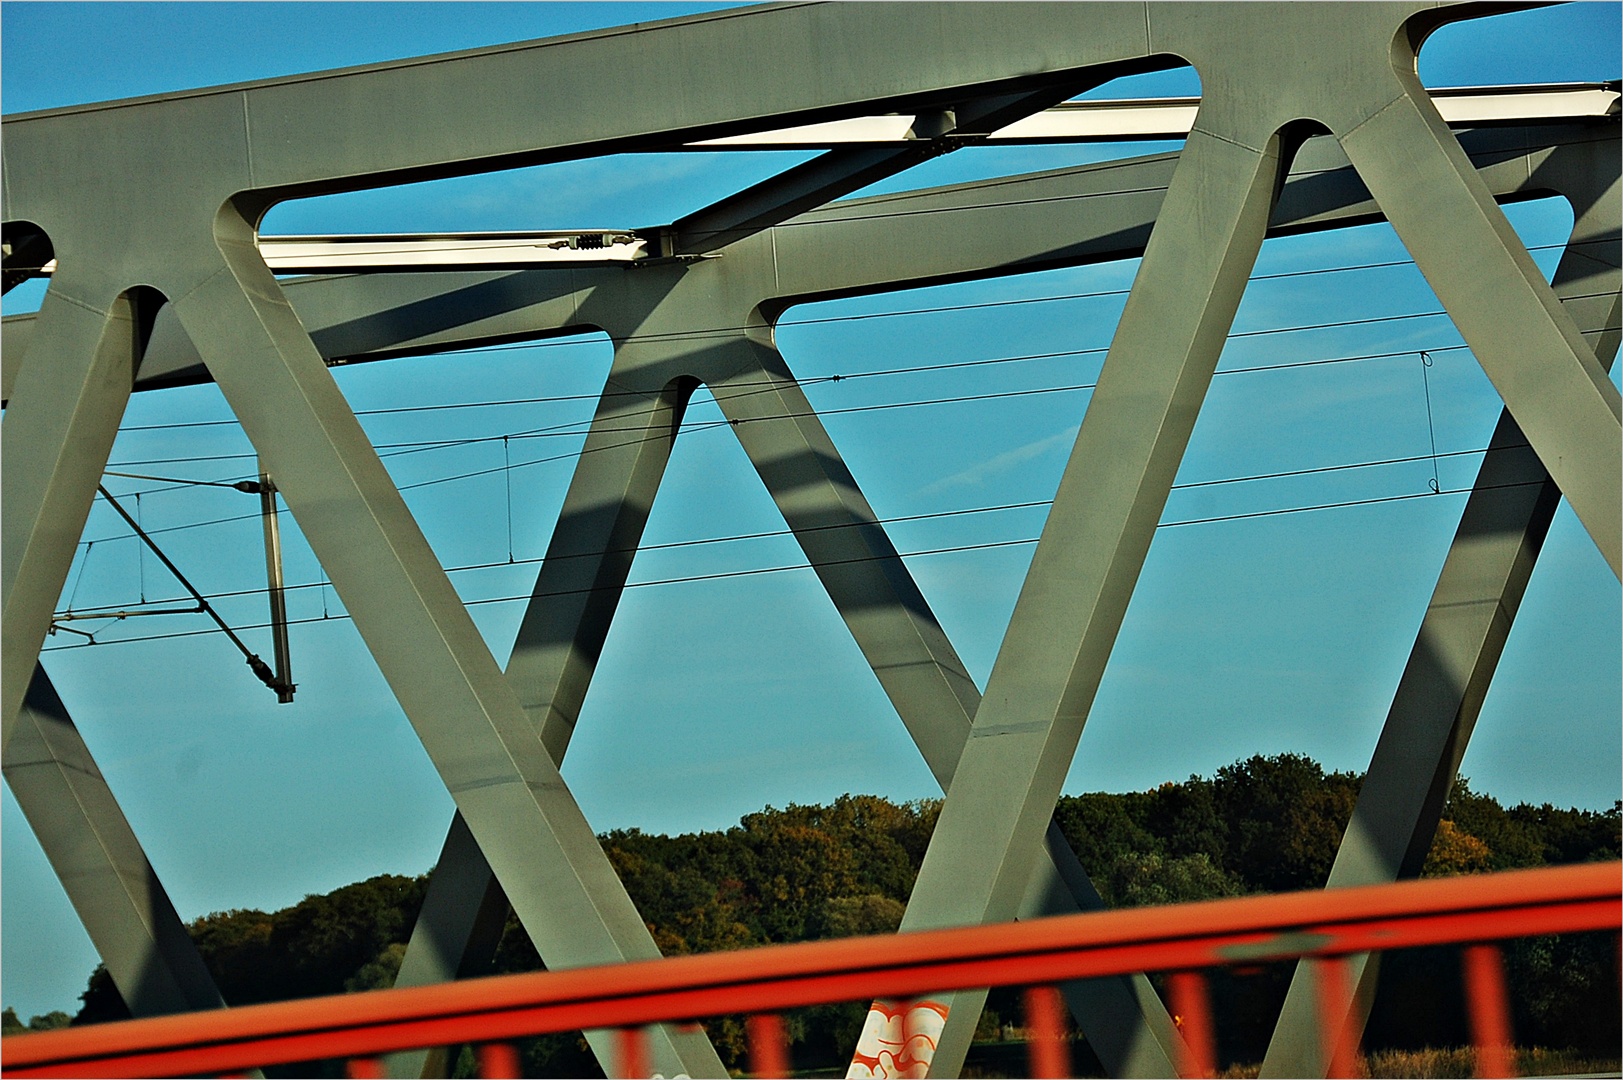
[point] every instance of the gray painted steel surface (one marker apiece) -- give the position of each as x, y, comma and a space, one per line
1319, 195
96, 855
1469, 618
132, 231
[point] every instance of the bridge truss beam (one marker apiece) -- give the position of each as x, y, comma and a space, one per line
496, 737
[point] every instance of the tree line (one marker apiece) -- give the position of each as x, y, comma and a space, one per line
1266, 824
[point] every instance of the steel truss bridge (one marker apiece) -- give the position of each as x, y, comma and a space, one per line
1311, 118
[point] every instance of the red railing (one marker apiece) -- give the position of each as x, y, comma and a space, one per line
1182, 940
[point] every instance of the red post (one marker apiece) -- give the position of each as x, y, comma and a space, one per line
1490, 1016
1045, 1033
1339, 1050
364, 1068
769, 1050
631, 1052
499, 1060
1192, 1014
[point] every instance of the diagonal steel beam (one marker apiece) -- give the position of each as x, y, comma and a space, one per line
1104, 515
936, 698
1530, 348
851, 553
58, 432
1466, 625
456, 935
464, 711
559, 640
100, 863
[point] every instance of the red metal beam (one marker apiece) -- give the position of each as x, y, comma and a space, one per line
1043, 951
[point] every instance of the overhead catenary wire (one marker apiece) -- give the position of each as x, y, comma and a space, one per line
694, 426
717, 424
941, 514
578, 427
249, 486
579, 341
758, 571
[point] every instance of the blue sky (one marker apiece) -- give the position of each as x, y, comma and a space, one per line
714, 698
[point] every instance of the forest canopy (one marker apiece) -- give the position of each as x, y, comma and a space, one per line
1266, 824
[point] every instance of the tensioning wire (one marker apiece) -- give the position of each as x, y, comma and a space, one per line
908, 518
758, 571
578, 341
716, 424
576, 426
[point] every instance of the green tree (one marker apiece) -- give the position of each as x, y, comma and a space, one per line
858, 916
1283, 818
51, 1021
1187, 819
1514, 842
1143, 880
1103, 827
380, 973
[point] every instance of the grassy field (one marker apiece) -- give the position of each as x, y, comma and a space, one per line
1009, 1059
1460, 1062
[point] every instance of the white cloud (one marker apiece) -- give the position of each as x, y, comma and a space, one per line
976, 475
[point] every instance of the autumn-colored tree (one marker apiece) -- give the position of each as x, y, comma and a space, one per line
1264, 824
1455, 851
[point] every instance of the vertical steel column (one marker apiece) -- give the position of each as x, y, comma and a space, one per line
934, 695
427, 647
100, 863
1440, 694
1095, 540
58, 431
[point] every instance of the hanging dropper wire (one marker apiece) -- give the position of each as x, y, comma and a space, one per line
1431, 430
507, 472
